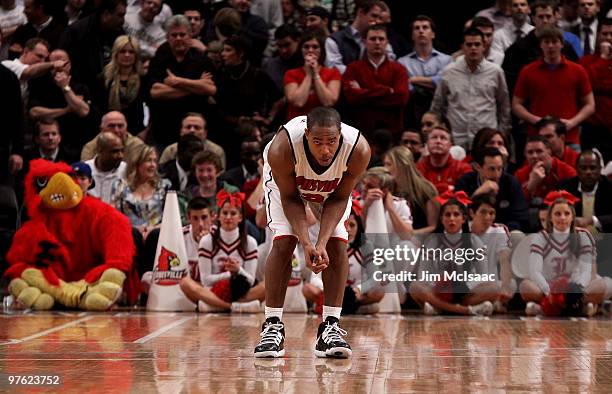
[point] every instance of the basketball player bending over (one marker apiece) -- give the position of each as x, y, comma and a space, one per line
314, 160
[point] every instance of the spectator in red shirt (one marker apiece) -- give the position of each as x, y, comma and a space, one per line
311, 85
542, 172
551, 128
376, 87
554, 86
439, 167
597, 130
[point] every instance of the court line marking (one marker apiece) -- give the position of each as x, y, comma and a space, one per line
47, 332
162, 330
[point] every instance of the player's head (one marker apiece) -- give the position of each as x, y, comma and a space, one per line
323, 134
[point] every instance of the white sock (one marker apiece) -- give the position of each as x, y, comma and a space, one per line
331, 311
274, 312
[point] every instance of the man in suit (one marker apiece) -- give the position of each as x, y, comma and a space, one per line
178, 171
594, 210
48, 143
587, 29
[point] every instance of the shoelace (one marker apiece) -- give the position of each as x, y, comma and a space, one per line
271, 334
332, 333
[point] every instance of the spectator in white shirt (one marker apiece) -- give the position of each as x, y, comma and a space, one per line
520, 27
107, 165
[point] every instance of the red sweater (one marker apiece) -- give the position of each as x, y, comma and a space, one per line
381, 97
559, 171
600, 74
297, 75
445, 176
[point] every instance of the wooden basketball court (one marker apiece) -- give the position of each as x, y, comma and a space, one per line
184, 352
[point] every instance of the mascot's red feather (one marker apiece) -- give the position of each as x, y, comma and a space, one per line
70, 236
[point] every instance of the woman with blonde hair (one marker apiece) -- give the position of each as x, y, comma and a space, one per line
141, 195
122, 78
411, 185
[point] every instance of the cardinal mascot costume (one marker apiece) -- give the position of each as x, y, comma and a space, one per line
75, 250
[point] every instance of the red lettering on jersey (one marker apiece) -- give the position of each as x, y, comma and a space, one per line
314, 185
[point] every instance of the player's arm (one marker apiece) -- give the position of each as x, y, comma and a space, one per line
335, 205
280, 159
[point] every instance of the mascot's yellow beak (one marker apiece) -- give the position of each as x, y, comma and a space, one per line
61, 192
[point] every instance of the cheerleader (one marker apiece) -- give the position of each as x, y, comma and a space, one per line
562, 263
227, 260
435, 293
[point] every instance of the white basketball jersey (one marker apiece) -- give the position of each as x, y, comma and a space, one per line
314, 188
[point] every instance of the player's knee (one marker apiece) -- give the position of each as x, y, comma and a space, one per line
282, 248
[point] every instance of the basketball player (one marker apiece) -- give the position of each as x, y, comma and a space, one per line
314, 160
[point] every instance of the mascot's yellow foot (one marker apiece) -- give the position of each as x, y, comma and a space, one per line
17, 286
113, 275
101, 296
96, 302
35, 278
72, 293
32, 297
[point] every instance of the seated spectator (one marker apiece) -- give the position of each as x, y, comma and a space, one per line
141, 194
554, 130
107, 166
144, 28
594, 210
56, 96
48, 144
206, 167
11, 17
227, 260
178, 171
542, 172
247, 171
181, 82
595, 132
431, 119
88, 42
378, 184
287, 40
469, 297
40, 25
424, 67
376, 87
124, 87
413, 140
311, 85
412, 186
82, 176
113, 122
247, 128
194, 123
439, 167
490, 178
496, 239
493, 138
244, 90
317, 18
347, 45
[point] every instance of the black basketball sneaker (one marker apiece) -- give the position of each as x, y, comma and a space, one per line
330, 342
272, 342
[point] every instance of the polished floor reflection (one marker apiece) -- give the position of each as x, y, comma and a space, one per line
189, 353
